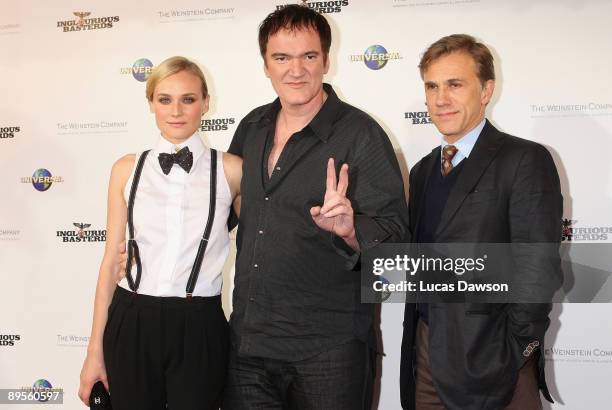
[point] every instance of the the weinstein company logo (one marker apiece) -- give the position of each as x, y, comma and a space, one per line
582, 109
82, 234
83, 23
418, 117
324, 7
170, 16
579, 354
217, 124
72, 340
591, 233
9, 234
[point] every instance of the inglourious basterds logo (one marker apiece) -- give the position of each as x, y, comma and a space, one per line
217, 124
83, 22
418, 117
8, 132
570, 232
82, 234
324, 7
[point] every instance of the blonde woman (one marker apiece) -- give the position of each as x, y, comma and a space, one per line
159, 337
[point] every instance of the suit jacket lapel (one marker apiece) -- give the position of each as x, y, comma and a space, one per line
485, 149
421, 184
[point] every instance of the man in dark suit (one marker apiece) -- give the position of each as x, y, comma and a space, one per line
484, 186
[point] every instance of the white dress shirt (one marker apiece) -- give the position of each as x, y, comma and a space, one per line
170, 213
464, 145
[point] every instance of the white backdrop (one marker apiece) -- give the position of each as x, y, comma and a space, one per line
71, 105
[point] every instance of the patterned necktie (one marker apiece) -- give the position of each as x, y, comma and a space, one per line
448, 152
183, 158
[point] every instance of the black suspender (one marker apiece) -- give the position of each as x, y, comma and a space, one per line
195, 271
133, 252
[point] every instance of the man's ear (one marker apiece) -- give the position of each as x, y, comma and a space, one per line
487, 91
265, 67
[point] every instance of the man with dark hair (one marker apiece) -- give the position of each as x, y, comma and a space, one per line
479, 185
301, 339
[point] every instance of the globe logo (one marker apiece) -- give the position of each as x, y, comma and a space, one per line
375, 57
142, 68
41, 180
42, 384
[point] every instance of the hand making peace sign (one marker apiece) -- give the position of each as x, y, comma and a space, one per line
336, 214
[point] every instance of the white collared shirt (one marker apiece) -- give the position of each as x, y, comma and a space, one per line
464, 145
170, 213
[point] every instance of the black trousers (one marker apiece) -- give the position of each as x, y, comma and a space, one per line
165, 352
338, 379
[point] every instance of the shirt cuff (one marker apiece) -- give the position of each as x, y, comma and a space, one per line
369, 234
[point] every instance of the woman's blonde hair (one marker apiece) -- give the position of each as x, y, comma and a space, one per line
172, 66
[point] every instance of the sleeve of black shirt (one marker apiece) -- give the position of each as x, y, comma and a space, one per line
376, 191
236, 147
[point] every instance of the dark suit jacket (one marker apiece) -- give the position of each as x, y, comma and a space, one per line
507, 192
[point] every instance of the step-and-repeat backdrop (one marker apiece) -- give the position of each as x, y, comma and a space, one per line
72, 78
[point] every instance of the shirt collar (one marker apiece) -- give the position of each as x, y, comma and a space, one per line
195, 144
321, 124
466, 143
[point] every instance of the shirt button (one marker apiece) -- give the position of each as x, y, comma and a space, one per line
267, 198
278, 168
256, 266
261, 232
252, 299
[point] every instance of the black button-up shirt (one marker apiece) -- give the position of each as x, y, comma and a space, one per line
297, 287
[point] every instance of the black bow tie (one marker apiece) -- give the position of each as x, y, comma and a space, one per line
183, 158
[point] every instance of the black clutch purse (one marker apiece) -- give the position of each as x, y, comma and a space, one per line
99, 399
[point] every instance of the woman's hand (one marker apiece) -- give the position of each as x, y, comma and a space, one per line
92, 371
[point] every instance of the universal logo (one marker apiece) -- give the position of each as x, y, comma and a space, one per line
82, 22
42, 179
324, 7
217, 124
593, 233
140, 70
9, 234
82, 234
418, 117
45, 386
9, 132
9, 340
376, 57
